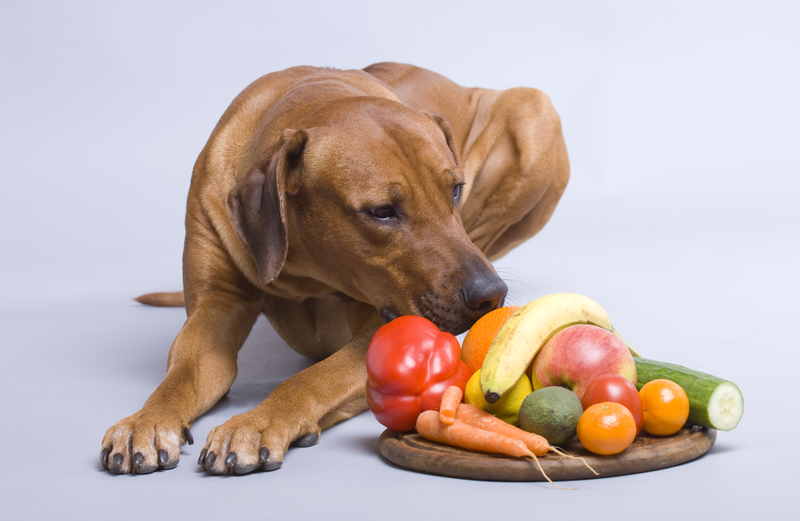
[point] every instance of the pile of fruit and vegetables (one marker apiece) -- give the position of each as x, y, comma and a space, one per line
527, 380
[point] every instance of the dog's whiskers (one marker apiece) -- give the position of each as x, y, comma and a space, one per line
508, 270
512, 275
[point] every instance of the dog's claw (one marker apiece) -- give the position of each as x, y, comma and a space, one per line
187, 435
118, 461
306, 440
104, 458
210, 459
163, 457
138, 458
231, 459
202, 459
263, 460
275, 465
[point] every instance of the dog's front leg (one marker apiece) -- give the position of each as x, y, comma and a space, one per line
200, 370
295, 412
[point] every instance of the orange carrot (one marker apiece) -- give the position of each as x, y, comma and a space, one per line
451, 397
465, 436
536, 444
483, 420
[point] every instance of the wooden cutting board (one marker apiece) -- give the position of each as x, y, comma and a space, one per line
413, 452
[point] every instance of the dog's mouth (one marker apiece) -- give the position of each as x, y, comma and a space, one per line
388, 314
454, 302
444, 324
441, 313
445, 317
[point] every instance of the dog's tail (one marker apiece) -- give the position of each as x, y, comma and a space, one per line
172, 299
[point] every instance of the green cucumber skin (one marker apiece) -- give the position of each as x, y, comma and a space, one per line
698, 386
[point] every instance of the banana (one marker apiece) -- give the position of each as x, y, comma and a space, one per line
527, 330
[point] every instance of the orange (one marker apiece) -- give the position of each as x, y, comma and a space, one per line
479, 337
606, 428
666, 407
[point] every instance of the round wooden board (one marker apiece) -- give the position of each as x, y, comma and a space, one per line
412, 451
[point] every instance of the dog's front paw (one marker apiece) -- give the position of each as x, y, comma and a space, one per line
254, 441
143, 443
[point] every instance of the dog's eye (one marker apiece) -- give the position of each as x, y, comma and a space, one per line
383, 212
457, 192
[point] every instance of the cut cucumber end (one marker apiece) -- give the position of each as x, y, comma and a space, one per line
713, 401
726, 406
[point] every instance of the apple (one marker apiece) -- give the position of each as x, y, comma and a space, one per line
576, 355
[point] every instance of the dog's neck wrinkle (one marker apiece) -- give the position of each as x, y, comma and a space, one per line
297, 287
301, 282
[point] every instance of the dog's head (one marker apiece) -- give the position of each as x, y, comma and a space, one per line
364, 197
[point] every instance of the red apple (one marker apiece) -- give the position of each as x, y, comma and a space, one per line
576, 355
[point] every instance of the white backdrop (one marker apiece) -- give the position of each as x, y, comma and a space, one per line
680, 218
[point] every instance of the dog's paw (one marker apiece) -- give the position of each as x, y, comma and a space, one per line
250, 442
143, 443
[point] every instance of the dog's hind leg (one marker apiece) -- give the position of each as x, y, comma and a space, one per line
519, 169
511, 148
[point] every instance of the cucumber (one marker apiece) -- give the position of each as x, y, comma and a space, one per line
713, 402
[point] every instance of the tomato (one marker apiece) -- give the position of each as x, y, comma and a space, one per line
617, 389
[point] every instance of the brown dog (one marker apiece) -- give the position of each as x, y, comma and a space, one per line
334, 201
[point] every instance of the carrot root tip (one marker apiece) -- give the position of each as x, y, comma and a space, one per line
548, 477
565, 454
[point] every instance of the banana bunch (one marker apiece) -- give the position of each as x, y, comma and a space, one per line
527, 330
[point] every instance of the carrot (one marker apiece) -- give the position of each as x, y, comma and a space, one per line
483, 420
465, 436
451, 398
535, 443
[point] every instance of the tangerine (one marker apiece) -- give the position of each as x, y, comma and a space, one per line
666, 407
480, 336
606, 428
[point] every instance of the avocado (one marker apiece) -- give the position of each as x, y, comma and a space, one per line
551, 412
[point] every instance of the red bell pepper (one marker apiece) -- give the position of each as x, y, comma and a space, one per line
409, 365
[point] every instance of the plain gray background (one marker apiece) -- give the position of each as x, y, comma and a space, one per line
680, 219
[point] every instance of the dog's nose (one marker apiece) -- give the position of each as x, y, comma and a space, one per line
484, 293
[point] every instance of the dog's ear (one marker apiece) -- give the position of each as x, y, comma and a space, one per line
256, 205
448, 133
